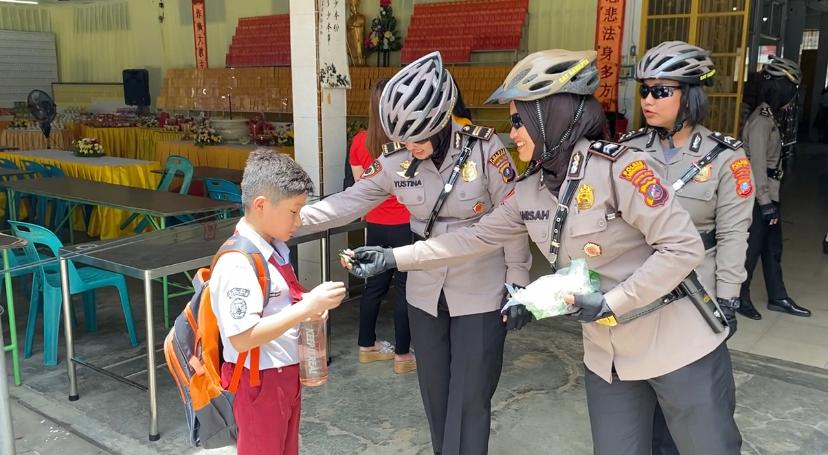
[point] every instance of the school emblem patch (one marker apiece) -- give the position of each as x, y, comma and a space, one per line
741, 173
500, 160
372, 170
646, 182
238, 308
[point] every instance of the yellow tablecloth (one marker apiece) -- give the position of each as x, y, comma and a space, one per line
226, 156
34, 140
104, 221
130, 142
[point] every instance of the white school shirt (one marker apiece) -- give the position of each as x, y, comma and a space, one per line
236, 297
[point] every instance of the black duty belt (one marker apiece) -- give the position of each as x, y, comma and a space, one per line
775, 174
709, 239
441, 199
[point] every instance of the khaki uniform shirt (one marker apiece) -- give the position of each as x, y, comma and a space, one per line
472, 287
763, 144
634, 235
720, 197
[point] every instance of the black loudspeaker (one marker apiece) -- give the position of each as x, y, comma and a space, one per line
136, 88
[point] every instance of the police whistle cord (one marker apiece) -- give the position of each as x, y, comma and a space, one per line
441, 199
560, 219
209, 223
697, 167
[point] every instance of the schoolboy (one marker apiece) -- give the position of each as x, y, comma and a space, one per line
274, 189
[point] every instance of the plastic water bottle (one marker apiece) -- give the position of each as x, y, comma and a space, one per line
313, 353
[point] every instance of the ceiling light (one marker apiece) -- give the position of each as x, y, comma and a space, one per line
24, 2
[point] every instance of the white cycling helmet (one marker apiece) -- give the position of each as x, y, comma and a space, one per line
548, 72
677, 61
417, 102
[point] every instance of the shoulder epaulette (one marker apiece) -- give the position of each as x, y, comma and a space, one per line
766, 112
391, 148
727, 141
481, 132
609, 150
633, 134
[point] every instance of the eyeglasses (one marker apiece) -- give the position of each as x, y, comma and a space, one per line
517, 122
658, 91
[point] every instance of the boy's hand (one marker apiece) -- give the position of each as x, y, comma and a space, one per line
324, 297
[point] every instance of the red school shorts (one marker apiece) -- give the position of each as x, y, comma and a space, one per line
268, 415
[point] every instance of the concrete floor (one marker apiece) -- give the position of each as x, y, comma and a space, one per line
782, 405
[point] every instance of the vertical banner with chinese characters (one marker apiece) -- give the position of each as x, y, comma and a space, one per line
200, 33
608, 34
333, 56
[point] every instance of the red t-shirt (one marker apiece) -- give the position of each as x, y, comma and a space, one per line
390, 211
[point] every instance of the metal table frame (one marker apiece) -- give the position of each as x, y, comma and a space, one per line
147, 276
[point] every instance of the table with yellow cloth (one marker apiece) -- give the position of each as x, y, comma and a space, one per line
104, 222
130, 142
33, 139
227, 156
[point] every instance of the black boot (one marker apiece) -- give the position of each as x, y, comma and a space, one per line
787, 305
747, 310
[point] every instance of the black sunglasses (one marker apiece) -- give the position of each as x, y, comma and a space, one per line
658, 91
517, 122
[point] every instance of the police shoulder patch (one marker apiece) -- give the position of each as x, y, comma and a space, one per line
633, 134
609, 150
727, 141
372, 170
391, 148
481, 132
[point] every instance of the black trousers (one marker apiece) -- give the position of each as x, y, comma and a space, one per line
765, 241
377, 286
698, 401
459, 360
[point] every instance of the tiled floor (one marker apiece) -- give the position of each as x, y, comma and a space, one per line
805, 221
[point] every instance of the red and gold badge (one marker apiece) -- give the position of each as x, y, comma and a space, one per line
741, 173
500, 160
372, 170
479, 208
648, 184
592, 249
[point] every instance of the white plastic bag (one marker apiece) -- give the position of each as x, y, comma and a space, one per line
544, 296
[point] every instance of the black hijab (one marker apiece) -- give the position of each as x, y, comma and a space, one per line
556, 113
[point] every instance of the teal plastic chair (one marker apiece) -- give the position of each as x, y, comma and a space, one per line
8, 164
223, 190
175, 165
82, 280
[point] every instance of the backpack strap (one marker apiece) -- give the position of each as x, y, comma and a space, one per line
240, 244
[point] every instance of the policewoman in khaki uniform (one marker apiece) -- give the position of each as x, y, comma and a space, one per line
763, 143
709, 171
607, 204
448, 173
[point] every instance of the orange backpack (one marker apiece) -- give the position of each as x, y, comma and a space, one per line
193, 353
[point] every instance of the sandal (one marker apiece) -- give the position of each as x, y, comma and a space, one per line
405, 366
385, 352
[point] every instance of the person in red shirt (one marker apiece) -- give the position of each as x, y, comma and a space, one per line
387, 226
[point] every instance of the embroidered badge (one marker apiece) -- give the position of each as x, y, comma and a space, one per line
500, 160
585, 197
703, 175
592, 249
479, 208
238, 308
238, 292
372, 170
741, 173
575, 164
647, 183
469, 171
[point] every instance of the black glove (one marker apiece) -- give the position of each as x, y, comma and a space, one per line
517, 316
592, 307
769, 211
370, 261
729, 307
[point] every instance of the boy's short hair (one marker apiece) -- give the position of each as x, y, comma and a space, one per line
273, 175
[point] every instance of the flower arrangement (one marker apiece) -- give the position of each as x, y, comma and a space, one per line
203, 134
383, 35
284, 138
88, 147
259, 125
